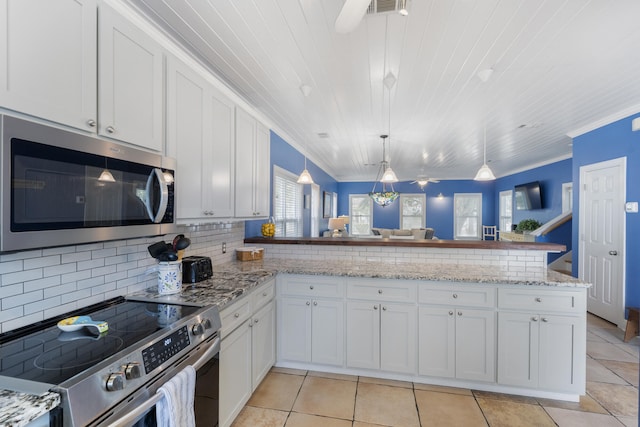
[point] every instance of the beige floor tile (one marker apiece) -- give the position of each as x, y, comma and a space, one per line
277, 391
448, 410
260, 417
289, 371
382, 381
305, 420
333, 376
381, 404
628, 421
599, 322
608, 351
593, 337
586, 404
632, 349
361, 424
617, 399
597, 372
627, 370
504, 413
443, 389
508, 397
614, 336
568, 418
326, 397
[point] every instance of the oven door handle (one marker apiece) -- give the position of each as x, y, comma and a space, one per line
157, 175
141, 409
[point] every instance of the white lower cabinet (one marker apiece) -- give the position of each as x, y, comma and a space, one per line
541, 351
246, 352
381, 336
457, 343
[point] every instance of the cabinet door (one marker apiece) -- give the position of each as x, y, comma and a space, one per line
130, 85
294, 329
235, 373
327, 332
518, 349
398, 334
220, 157
363, 335
186, 139
436, 329
48, 52
559, 363
245, 171
263, 342
262, 171
475, 344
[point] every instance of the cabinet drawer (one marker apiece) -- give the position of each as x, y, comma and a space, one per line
542, 300
312, 286
469, 296
262, 295
233, 315
382, 290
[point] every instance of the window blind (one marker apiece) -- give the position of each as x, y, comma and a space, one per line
287, 204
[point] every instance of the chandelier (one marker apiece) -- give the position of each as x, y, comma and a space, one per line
386, 176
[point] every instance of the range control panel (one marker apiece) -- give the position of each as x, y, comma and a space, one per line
161, 351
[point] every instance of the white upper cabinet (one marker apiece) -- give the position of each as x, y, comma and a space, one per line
130, 84
48, 59
200, 135
252, 182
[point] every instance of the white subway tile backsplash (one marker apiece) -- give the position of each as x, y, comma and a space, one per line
76, 256
64, 288
41, 305
21, 299
21, 276
60, 269
11, 266
34, 285
47, 261
94, 263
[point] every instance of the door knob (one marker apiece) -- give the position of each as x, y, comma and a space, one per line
613, 253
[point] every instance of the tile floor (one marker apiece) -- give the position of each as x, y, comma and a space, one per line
294, 398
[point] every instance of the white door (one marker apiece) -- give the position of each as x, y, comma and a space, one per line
602, 225
294, 334
475, 344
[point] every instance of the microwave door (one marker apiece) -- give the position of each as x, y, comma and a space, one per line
157, 195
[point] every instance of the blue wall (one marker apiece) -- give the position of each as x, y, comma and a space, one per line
439, 211
606, 143
287, 157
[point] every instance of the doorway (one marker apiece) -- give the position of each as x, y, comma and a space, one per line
602, 237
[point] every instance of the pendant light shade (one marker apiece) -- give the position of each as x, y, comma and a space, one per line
305, 176
389, 176
106, 176
485, 173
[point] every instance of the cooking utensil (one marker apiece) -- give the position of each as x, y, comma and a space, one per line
157, 248
74, 323
175, 240
181, 243
167, 256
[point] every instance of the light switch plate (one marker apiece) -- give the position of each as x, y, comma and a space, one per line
631, 207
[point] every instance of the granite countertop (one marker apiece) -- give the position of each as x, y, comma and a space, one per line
232, 280
18, 409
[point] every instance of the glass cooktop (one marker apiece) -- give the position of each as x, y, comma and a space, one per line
46, 354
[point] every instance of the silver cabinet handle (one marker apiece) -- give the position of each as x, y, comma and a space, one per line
613, 253
375, 307
455, 295
379, 291
255, 320
91, 123
538, 299
311, 287
384, 308
450, 312
250, 325
544, 319
534, 318
315, 303
308, 303
459, 313
110, 129
264, 294
236, 315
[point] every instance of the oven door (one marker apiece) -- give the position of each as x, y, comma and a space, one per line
139, 410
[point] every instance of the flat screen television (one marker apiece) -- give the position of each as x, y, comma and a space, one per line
528, 196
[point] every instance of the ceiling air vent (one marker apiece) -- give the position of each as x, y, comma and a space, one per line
383, 6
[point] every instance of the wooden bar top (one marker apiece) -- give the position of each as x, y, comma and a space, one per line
441, 244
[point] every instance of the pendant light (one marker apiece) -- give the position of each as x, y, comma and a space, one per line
106, 175
305, 176
384, 197
485, 174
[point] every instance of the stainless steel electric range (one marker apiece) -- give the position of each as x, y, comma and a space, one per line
111, 378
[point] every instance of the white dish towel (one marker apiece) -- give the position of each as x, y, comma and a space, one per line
175, 409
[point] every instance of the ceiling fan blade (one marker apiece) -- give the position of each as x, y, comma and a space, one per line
351, 14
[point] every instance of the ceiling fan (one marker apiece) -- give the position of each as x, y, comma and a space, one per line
422, 181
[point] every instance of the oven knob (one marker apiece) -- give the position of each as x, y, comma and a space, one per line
115, 381
132, 370
197, 329
206, 323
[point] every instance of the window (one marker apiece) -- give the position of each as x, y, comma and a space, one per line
467, 220
412, 211
506, 215
567, 197
360, 214
315, 210
287, 203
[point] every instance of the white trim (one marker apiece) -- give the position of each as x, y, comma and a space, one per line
423, 197
478, 236
623, 114
567, 199
351, 222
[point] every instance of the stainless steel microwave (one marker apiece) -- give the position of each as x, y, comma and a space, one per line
64, 188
